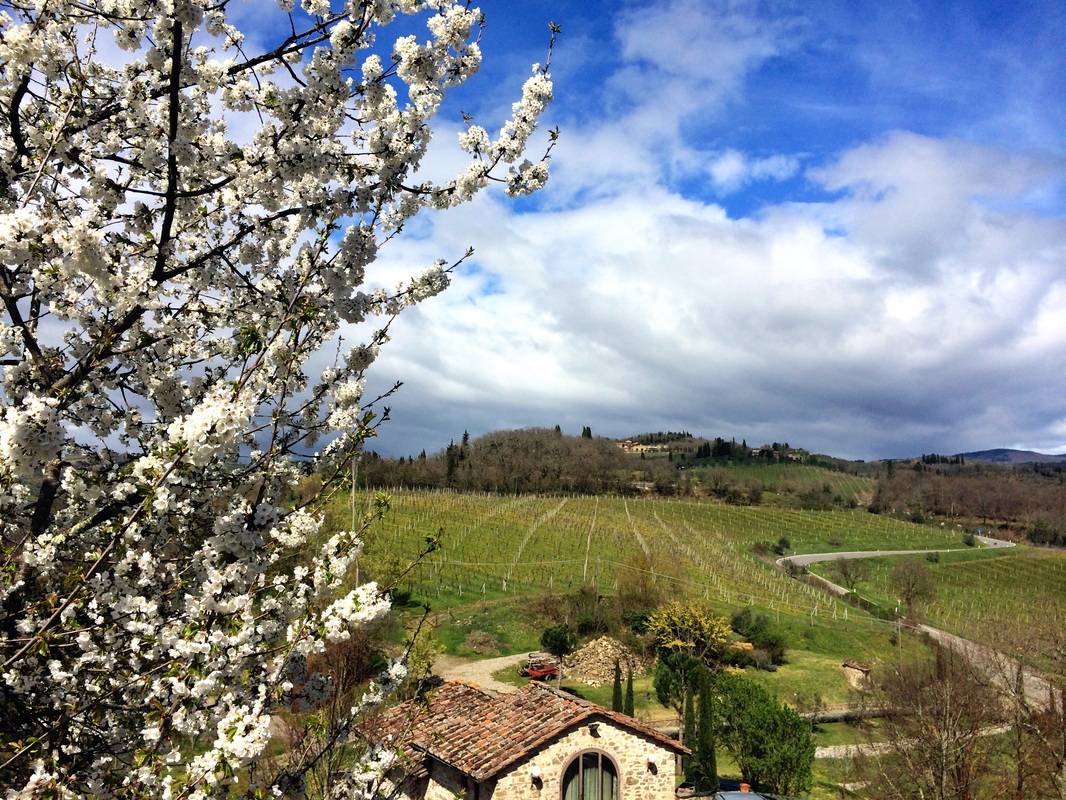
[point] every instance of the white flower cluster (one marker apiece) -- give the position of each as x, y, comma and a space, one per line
31, 434
360, 607
536, 94
212, 427
527, 178
186, 220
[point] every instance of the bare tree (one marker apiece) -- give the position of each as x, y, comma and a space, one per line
915, 583
939, 715
849, 571
1035, 706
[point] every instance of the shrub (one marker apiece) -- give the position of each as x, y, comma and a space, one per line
763, 633
637, 619
794, 569
588, 624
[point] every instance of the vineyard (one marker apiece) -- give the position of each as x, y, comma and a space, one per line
978, 591
495, 546
797, 479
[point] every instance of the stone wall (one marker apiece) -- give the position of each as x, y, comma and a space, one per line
629, 751
446, 783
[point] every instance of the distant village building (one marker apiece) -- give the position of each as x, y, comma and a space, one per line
534, 744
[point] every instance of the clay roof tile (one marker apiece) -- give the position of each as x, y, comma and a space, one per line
481, 732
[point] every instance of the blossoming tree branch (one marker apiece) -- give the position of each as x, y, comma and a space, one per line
186, 217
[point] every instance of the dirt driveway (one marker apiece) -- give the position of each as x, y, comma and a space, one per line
452, 668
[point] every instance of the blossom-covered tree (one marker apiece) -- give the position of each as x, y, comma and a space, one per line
185, 219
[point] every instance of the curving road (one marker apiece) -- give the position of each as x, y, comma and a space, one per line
999, 667
814, 558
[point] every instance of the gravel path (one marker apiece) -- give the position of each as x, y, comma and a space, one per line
480, 671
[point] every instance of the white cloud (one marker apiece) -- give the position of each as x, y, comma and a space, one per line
732, 170
709, 45
647, 302
929, 213
916, 305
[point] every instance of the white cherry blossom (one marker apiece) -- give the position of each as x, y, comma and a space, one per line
185, 220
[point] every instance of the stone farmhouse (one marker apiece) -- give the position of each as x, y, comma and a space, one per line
534, 744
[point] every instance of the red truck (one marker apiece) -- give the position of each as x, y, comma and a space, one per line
539, 667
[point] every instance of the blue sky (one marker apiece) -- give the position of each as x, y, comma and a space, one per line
836, 224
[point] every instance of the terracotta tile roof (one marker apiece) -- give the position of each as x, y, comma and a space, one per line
481, 732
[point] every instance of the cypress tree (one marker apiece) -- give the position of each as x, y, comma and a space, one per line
616, 695
706, 764
627, 705
688, 731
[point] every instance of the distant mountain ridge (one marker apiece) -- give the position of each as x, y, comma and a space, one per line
1003, 455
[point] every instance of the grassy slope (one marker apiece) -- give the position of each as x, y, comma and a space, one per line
978, 591
495, 548
501, 553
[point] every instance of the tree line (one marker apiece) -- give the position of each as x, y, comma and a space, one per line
530, 460
1026, 502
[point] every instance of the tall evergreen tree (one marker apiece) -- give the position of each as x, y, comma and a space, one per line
627, 704
706, 764
688, 729
616, 695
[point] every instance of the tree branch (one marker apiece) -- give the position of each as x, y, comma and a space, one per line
170, 206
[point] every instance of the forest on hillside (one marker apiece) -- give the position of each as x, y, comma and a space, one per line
1023, 501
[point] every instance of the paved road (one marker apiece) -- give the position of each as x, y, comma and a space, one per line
814, 558
1000, 668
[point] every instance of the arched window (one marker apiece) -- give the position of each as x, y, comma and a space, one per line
591, 776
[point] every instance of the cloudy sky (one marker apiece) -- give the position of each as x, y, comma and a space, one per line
836, 224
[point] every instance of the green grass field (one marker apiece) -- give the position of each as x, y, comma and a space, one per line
499, 553
497, 547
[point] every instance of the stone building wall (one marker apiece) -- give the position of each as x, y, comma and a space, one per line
629, 751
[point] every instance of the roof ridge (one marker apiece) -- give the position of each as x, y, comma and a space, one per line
617, 716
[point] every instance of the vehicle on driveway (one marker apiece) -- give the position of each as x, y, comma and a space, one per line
540, 667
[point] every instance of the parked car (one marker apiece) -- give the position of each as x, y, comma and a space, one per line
687, 790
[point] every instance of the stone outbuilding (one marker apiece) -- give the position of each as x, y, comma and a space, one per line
538, 743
